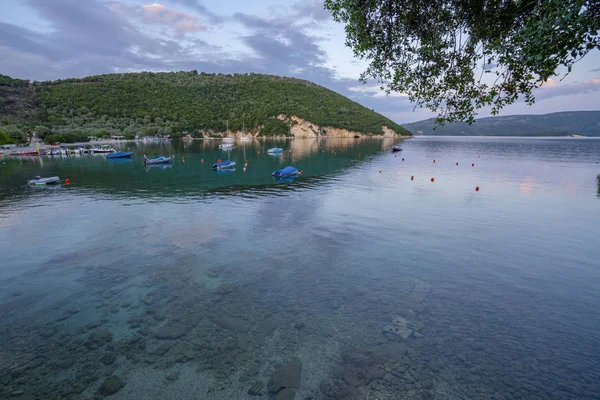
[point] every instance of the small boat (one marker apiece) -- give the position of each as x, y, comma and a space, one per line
396, 148
275, 150
24, 153
227, 164
286, 172
226, 146
38, 180
246, 138
119, 154
159, 160
102, 149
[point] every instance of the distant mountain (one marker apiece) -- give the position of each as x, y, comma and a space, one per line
176, 103
586, 123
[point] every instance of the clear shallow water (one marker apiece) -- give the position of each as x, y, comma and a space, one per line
382, 286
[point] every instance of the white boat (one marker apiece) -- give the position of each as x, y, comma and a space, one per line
275, 150
38, 180
102, 149
229, 139
226, 146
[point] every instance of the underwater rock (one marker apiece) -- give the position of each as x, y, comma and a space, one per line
242, 341
108, 358
98, 338
111, 385
286, 376
286, 394
172, 376
399, 327
171, 331
395, 351
256, 389
233, 324
160, 315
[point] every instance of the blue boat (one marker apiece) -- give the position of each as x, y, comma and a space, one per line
159, 160
119, 154
275, 150
286, 172
227, 164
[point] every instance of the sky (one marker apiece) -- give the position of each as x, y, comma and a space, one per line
55, 39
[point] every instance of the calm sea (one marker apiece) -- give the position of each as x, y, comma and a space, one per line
375, 275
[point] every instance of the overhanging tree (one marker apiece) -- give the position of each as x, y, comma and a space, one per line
456, 56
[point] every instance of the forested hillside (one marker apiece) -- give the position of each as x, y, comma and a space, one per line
174, 103
585, 123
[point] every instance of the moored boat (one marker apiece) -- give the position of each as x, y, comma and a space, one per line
226, 146
102, 149
275, 150
156, 161
287, 172
396, 148
38, 180
227, 164
119, 154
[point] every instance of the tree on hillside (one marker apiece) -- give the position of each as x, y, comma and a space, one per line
4, 139
456, 56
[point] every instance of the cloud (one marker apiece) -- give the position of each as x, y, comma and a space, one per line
176, 22
200, 9
557, 89
375, 91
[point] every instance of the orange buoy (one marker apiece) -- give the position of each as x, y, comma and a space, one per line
432, 179
412, 178
477, 188
68, 181
472, 165
202, 160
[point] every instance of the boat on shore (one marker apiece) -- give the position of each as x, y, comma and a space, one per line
287, 172
157, 161
24, 153
38, 180
119, 154
227, 164
275, 150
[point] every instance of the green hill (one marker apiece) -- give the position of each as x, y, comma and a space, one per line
585, 123
175, 103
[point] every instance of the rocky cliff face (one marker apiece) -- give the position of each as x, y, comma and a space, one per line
302, 128
306, 129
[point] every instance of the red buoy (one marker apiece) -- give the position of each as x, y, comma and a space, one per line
412, 178
432, 179
472, 165
67, 181
456, 163
434, 161
402, 158
395, 156
477, 188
